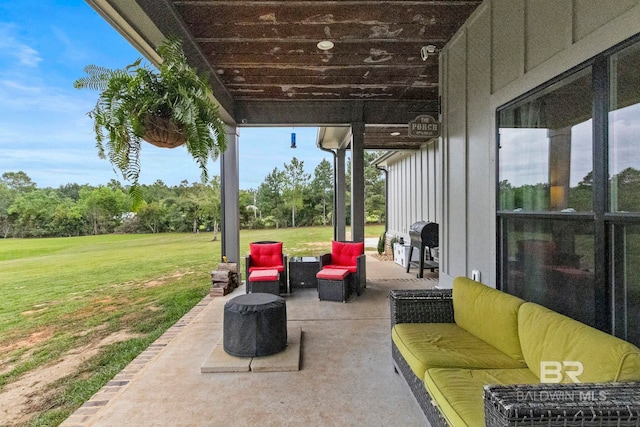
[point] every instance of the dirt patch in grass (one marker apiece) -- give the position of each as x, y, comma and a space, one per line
32, 340
166, 279
34, 311
21, 400
29, 343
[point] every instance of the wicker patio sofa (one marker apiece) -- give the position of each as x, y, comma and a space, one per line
475, 356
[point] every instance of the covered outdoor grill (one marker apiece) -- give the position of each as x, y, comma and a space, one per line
424, 236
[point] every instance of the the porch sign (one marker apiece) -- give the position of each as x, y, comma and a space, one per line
424, 127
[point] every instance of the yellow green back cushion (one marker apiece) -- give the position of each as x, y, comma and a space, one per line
488, 314
550, 337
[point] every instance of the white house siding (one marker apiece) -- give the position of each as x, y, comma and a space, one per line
505, 49
412, 199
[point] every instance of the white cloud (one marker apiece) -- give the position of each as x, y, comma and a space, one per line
17, 86
524, 156
27, 56
10, 47
70, 49
624, 132
19, 95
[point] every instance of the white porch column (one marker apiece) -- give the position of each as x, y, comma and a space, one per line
357, 182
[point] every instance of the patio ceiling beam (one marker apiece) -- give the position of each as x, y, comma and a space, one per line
324, 113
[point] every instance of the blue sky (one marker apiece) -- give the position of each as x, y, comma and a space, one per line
44, 130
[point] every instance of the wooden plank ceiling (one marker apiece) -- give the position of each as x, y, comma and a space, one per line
266, 51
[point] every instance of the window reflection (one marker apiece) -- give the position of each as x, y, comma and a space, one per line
624, 131
626, 277
545, 147
552, 263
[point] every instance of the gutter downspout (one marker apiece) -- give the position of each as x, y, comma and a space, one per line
386, 197
333, 215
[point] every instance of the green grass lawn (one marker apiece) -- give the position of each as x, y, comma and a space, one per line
64, 293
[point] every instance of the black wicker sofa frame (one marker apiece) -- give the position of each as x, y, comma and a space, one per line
598, 404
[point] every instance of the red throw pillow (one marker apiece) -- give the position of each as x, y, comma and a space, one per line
266, 254
346, 253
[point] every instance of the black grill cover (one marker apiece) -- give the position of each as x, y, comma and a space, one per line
255, 325
424, 233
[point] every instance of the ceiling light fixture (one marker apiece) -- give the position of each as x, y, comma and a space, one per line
325, 45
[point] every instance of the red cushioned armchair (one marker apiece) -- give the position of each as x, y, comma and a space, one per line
350, 256
267, 255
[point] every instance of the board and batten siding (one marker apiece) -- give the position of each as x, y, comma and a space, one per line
504, 50
413, 189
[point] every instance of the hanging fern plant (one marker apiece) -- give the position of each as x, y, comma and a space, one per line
168, 107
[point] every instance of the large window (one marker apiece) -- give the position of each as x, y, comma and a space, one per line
569, 194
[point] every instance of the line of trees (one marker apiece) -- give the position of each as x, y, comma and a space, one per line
286, 198
624, 189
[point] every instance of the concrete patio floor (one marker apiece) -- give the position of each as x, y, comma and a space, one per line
346, 375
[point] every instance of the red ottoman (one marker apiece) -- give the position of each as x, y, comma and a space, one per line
334, 284
265, 281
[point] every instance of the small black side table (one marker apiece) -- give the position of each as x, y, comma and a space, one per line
302, 272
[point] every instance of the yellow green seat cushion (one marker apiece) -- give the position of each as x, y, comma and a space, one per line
547, 336
431, 345
458, 392
489, 314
